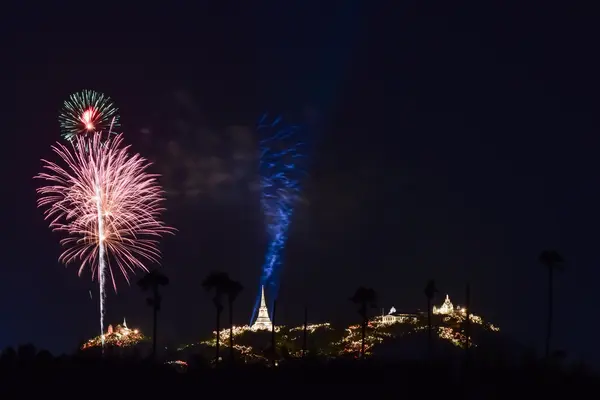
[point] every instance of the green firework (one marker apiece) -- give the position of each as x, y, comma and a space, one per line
87, 112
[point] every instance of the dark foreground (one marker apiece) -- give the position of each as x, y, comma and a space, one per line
122, 377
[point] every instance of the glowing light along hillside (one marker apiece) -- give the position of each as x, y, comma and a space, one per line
280, 182
325, 341
120, 336
449, 326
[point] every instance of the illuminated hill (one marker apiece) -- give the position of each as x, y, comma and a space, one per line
120, 336
383, 333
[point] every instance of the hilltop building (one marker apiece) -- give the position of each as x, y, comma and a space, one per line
120, 335
263, 322
448, 308
393, 317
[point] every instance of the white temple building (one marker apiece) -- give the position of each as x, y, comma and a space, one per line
446, 309
262, 320
395, 317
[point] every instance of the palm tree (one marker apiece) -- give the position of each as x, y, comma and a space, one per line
233, 289
217, 281
430, 291
364, 297
552, 261
152, 281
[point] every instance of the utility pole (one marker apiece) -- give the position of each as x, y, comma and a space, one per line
468, 322
273, 347
305, 331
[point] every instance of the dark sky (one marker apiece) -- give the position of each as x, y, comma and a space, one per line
455, 143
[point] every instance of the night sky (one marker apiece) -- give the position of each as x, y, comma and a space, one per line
453, 142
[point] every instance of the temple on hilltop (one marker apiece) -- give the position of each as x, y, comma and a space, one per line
120, 336
395, 317
448, 308
262, 321
121, 329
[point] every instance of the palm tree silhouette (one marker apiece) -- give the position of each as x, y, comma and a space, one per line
552, 261
430, 291
233, 289
219, 282
152, 281
364, 298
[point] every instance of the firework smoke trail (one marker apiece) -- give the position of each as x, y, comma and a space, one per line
280, 182
108, 206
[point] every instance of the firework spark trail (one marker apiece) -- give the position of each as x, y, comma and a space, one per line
101, 260
108, 206
87, 112
280, 181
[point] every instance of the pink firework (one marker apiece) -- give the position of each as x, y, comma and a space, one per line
106, 203
108, 206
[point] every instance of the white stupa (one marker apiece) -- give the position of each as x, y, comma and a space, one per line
262, 320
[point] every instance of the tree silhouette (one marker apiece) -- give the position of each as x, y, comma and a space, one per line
233, 289
152, 281
219, 282
430, 291
8, 358
552, 261
364, 298
26, 353
44, 358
